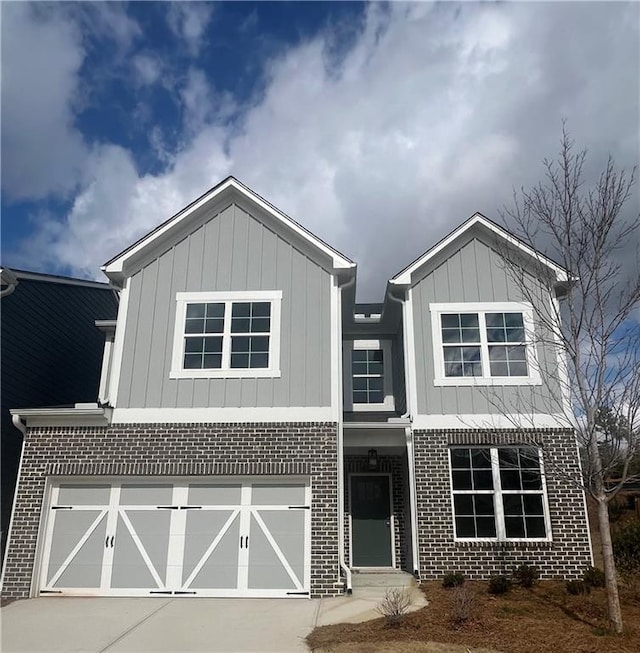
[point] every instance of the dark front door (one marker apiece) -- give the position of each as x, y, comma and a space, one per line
370, 521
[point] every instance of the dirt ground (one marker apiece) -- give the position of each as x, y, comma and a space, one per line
544, 618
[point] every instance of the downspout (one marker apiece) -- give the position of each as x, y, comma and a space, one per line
342, 561
20, 425
408, 432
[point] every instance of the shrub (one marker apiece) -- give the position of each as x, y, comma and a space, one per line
452, 580
577, 587
626, 548
499, 585
395, 605
463, 600
526, 575
593, 577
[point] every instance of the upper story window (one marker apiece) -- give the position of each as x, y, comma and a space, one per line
227, 334
367, 369
484, 344
499, 494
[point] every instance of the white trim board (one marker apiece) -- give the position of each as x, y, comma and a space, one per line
222, 415
490, 421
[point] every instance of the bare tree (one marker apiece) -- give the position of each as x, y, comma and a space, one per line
589, 232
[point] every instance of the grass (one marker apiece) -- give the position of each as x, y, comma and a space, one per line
522, 621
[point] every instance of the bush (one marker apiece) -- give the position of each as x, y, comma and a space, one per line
499, 585
526, 575
593, 577
463, 600
452, 580
626, 548
577, 587
395, 605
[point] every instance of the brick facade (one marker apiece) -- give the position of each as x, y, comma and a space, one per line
568, 553
180, 450
397, 467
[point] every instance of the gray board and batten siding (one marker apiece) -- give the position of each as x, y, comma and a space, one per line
230, 251
476, 272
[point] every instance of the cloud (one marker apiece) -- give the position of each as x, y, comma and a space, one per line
189, 21
431, 113
146, 68
42, 53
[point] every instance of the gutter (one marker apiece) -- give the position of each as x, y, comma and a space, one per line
10, 280
341, 560
408, 431
21, 426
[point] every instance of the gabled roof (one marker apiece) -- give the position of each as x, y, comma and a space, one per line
404, 277
114, 268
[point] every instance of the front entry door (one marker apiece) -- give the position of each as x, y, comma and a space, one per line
371, 532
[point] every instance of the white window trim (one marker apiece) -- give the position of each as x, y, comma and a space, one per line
498, 503
177, 356
481, 309
389, 402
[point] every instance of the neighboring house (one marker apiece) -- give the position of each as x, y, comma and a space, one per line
51, 353
257, 433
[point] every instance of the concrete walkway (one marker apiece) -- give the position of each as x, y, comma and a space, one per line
141, 625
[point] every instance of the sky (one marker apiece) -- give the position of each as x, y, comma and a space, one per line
378, 126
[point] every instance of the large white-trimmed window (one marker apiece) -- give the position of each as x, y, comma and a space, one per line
499, 494
227, 334
368, 385
484, 344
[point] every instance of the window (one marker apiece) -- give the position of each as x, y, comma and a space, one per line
367, 369
498, 494
221, 334
484, 344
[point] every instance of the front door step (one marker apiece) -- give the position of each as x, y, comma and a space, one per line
382, 579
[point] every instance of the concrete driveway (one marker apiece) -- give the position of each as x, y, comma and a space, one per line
143, 625
101, 625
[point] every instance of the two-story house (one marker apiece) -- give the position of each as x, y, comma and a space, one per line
258, 433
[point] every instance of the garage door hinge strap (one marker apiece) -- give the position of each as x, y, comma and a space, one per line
168, 507
298, 593
299, 507
160, 592
50, 591
190, 507
181, 592
61, 507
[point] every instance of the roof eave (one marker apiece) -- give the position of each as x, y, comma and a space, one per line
115, 268
404, 278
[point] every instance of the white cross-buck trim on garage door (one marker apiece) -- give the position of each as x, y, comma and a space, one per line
179, 538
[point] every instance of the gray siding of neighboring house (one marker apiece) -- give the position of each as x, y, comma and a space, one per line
399, 389
475, 273
232, 251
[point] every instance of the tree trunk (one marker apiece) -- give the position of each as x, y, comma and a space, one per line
610, 578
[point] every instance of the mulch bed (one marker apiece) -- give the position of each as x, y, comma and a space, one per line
544, 618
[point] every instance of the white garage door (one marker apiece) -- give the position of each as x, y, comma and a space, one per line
178, 538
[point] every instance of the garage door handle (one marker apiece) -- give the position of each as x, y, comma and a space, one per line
246, 541
113, 537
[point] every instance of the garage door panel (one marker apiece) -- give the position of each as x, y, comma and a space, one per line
283, 494
84, 495
288, 530
268, 567
211, 550
228, 494
77, 549
140, 538
138, 494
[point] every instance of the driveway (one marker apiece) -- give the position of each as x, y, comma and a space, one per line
143, 625
111, 625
